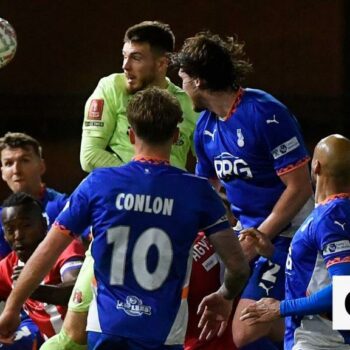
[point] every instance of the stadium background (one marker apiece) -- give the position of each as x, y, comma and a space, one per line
299, 49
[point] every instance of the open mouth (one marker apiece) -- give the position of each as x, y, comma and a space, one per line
19, 249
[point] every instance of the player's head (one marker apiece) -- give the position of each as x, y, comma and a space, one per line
21, 162
154, 115
208, 62
331, 160
23, 223
146, 50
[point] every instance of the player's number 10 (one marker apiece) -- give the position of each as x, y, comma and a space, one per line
119, 237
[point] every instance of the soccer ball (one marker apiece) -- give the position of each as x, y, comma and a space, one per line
8, 42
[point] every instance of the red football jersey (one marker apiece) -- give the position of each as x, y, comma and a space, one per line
205, 279
49, 318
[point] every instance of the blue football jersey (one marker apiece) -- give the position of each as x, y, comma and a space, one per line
52, 201
248, 151
322, 240
145, 218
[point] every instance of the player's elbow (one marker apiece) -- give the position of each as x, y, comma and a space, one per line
243, 272
86, 157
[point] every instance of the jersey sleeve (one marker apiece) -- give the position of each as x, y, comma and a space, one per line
204, 166
4, 246
283, 137
213, 215
71, 259
98, 128
333, 237
6, 270
75, 217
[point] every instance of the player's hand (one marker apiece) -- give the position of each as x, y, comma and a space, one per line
254, 238
9, 322
264, 310
215, 310
248, 248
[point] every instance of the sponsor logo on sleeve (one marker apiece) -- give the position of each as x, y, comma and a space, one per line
336, 247
95, 109
94, 124
285, 148
341, 302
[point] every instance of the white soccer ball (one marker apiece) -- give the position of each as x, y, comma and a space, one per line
8, 42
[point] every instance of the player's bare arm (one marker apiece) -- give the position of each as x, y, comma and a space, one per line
216, 307
298, 191
57, 294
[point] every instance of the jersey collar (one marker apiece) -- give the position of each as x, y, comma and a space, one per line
237, 100
333, 197
151, 160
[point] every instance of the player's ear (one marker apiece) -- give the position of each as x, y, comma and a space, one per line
42, 166
316, 166
176, 135
200, 83
163, 62
132, 136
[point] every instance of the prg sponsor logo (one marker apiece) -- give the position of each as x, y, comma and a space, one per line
133, 306
228, 166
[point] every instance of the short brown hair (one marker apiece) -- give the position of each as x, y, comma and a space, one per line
154, 114
157, 34
20, 140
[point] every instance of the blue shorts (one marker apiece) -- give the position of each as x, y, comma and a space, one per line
27, 337
267, 279
101, 341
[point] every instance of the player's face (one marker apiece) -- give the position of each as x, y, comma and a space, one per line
141, 66
24, 229
189, 86
21, 169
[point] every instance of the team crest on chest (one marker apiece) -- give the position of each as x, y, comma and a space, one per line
240, 138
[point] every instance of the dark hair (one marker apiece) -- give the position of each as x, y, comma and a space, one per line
157, 34
154, 114
219, 62
21, 198
20, 140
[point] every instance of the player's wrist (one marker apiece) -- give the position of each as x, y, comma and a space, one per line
224, 293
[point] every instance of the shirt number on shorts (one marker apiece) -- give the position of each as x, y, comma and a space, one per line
270, 275
152, 237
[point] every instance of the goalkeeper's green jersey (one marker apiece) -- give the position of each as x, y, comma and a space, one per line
105, 139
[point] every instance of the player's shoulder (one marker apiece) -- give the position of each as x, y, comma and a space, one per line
262, 101
196, 183
101, 172
334, 213
53, 194
176, 90
9, 261
184, 100
335, 207
114, 81
205, 117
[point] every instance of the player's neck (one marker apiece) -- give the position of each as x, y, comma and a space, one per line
143, 150
327, 187
221, 102
160, 82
